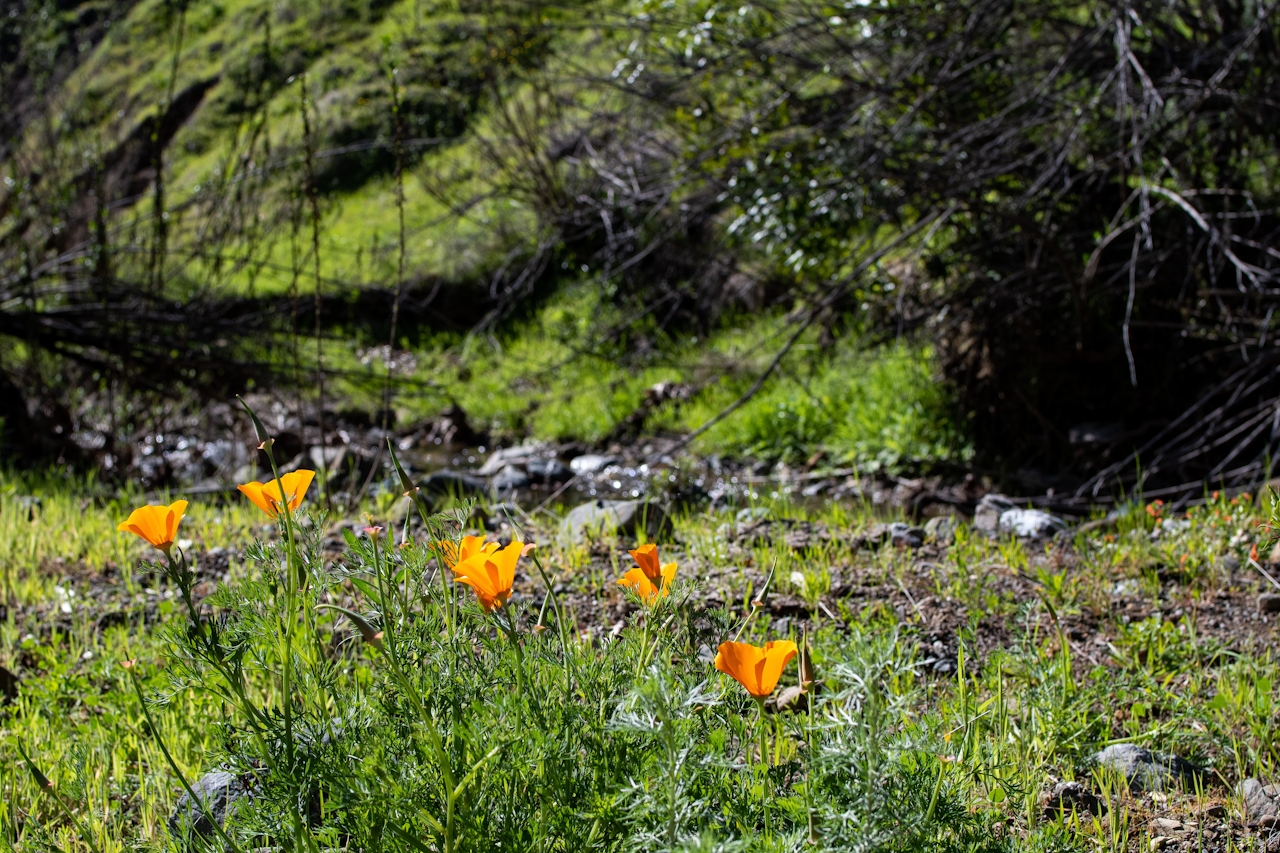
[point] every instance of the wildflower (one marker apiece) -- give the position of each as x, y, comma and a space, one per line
649, 580
471, 545
156, 524
755, 668
489, 572
290, 489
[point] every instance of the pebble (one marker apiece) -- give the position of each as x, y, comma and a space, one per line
1269, 602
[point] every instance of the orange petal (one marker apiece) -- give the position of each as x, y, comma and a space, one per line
255, 492
295, 485
639, 583
646, 556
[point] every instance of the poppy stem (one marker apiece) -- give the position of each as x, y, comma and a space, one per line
764, 764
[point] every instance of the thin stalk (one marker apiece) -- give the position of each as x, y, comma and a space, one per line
313, 196
46, 787
146, 712
561, 627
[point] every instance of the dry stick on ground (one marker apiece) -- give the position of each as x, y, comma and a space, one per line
812, 314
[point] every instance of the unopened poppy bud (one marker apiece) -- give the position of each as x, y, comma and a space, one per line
264, 440
373, 532
410, 490
539, 628
128, 664
528, 549
373, 638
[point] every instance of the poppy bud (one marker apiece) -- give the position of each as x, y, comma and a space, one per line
410, 490
264, 440
362, 625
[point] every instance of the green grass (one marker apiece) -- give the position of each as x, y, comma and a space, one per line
626, 738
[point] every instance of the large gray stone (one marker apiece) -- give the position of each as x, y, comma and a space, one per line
624, 517
220, 791
1143, 769
1259, 800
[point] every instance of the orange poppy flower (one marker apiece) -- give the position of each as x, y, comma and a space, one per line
755, 668
490, 574
156, 524
649, 580
638, 582
270, 497
471, 545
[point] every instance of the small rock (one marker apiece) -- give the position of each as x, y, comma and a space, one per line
902, 535
220, 791
1259, 800
1030, 523
1230, 564
941, 530
591, 463
1269, 602
1143, 769
509, 479
548, 470
1165, 825
9, 684
986, 517
624, 517
944, 666
752, 513
499, 459
1066, 797
447, 483
1216, 811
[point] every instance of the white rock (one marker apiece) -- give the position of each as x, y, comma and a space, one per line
591, 463
1030, 523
